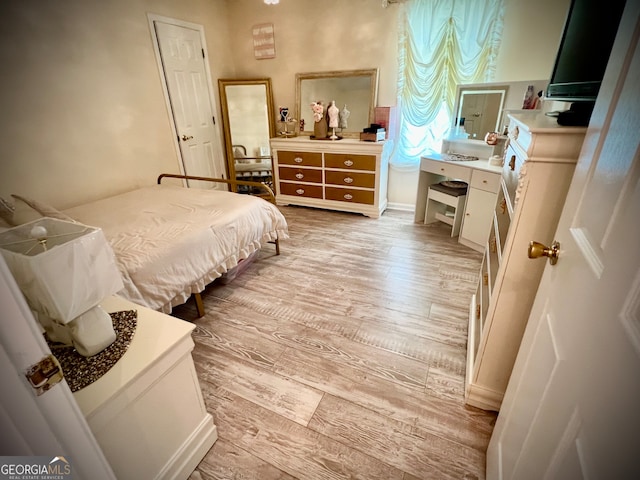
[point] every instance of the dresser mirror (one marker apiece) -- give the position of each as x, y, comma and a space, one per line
479, 109
248, 122
354, 92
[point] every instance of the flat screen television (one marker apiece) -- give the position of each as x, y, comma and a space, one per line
589, 32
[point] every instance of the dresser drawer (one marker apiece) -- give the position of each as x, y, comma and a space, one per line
487, 181
305, 159
350, 179
301, 190
300, 174
446, 169
350, 195
349, 161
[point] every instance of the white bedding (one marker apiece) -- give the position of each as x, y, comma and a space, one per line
171, 241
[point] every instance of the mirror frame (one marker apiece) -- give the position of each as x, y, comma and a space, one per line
479, 88
228, 141
372, 73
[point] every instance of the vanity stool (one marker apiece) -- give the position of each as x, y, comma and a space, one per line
445, 203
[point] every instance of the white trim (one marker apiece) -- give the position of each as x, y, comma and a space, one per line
404, 207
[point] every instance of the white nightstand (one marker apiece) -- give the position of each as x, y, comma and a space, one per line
147, 412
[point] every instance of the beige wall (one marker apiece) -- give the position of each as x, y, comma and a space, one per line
83, 113
83, 110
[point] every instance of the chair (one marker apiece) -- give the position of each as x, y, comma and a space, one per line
445, 203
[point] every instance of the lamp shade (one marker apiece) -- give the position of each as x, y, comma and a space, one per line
65, 273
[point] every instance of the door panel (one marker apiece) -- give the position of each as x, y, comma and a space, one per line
570, 410
186, 78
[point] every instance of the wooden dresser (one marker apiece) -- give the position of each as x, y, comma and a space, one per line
346, 175
539, 162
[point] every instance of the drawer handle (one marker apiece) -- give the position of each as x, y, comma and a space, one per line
442, 169
516, 132
348, 180
300, 191
484, 181
503, 206
298, 159
299, 176
348, 196
485, 279
512, 163
348, 162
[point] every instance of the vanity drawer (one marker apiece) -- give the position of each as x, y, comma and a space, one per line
304, 159
350, 179
349, 161
487, 181
300, 174
301, 190
446, 169
350, 195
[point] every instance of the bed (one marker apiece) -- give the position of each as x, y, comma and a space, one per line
171, 241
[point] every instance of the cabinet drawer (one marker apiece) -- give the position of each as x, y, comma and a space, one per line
349, 161
300, 190
350, 195
305, 159
487, 181
446, 169
350, 179
300, 174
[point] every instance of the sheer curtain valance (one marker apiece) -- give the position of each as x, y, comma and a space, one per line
442, 43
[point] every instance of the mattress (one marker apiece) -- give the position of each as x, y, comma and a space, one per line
171, 241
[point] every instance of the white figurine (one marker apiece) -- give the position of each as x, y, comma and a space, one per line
333, 115
344, 115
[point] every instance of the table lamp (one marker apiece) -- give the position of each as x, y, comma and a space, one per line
65, 270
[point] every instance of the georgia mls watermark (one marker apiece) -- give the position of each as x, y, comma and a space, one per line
35, 468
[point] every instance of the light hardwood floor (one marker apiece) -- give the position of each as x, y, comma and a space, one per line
344, 357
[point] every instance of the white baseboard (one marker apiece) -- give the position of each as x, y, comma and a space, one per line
405, 207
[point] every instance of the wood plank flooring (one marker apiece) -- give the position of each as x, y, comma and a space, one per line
344, 357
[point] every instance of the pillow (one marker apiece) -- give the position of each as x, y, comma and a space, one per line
27, 210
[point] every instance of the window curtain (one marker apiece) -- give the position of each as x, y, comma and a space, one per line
442, 43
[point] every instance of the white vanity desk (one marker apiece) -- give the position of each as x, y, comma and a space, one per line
147, 412
484, 185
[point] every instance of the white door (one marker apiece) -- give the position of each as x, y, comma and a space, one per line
48, 425
187, 84
571, 409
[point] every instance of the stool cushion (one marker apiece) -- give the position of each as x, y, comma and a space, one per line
454, 192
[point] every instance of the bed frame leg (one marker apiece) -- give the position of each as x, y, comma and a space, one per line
199, 305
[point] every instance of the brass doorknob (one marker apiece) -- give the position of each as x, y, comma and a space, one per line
537, 250
185, 138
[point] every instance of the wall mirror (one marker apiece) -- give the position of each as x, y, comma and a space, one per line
479, 109
353, 90
248, 123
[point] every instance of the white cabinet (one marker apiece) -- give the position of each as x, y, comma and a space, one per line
478, 215
539, 162
147, 412
347, 175
484, 185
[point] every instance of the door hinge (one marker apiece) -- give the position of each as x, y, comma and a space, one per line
44, 374
214, 120
203, 53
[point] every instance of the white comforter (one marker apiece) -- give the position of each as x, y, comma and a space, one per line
171, 241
